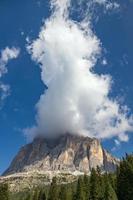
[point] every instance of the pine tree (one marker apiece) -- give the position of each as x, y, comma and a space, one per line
35, 194
95, 190
41, 195
101, 182
28, 197
80, 192
112, 180
86, 186
125, 178
63, 193
53, 192
110, 193
4, 193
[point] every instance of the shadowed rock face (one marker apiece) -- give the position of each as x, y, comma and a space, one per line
66, 153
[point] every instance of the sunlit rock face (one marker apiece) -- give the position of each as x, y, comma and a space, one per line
66, 153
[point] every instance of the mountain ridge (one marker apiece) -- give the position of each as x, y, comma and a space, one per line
64, 153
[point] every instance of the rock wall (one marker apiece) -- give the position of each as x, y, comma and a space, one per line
66, 153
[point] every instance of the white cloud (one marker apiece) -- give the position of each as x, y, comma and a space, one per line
27, 39
22, 33
77, 99
90, 9
7, 54
30, 132
107, 4
61, 7
117, 142
123, 137
104, 62
4, 93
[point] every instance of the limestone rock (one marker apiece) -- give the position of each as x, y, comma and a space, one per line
68, 153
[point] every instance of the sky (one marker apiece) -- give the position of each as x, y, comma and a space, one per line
23, 77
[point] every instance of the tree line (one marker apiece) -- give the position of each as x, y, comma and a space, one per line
97, 186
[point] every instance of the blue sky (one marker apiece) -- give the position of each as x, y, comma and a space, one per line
20, 20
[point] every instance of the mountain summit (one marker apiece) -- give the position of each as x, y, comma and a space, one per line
67, 153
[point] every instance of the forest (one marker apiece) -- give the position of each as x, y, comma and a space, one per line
97, 186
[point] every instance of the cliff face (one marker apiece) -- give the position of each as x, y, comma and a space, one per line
66, 153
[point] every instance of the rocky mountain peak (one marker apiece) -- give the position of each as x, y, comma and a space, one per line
65, 153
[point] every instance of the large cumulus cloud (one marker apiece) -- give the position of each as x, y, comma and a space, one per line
77, 99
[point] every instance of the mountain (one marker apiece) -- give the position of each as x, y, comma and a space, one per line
67, 153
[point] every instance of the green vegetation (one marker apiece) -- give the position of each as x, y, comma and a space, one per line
125, 179
4, 193
97, 186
